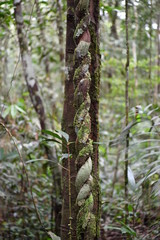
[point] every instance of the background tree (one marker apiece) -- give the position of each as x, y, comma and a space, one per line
18, 219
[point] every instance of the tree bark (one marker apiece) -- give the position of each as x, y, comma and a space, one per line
94, 108
134, 46
114, 19
60, 38
80, 121
157, 85
42, 38
126, 112
67, 126
27, 66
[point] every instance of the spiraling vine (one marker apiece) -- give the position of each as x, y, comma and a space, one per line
86, 222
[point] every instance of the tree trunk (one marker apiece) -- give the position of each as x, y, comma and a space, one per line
39, 108
27, 66
157, 85
150, 55
42, 38
114, 19
126, 112
134, 46
94, 108
81, 123
60, 38
67, 126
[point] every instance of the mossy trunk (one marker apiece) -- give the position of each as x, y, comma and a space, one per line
67, 126
80, 121
94, 108
86, 80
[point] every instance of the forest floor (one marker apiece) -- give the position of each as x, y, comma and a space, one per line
143, 232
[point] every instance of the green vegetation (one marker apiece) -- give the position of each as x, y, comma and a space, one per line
31, 157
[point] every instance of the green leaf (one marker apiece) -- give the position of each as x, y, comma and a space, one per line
53, 236
6, 112
20, 109
6, 2
127, 229
2, 194
114, 228
1, 153
65, 156
45, 139
53, 134
63, 134
36, 160
13, 111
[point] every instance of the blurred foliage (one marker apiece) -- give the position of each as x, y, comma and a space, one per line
18, 219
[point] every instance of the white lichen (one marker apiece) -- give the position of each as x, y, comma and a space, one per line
82, 49
79, 32
31, 82
28, 66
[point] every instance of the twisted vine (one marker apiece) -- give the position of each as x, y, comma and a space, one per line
86, 222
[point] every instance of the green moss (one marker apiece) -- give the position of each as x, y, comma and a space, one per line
91, 230
82, 6
83, 68
85, 219
77, 74
78, 98
82, 112
87, 222
86, 150
95, 190
80, 115
84, 131
81, 27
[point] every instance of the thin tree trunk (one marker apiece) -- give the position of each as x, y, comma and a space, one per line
150, 55
114, 19
60, 30
68, 127
28, 67
56, 189
60, 38
127, 113
5, 83
134, 46
42, 38
115, 171
94, 107
38, 105
156, 90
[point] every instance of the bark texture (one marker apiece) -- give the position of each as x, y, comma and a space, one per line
42, 38
60, 30
27, 65
94, 108
86, 220
80, 121
114, 20
67, 126
86, 79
